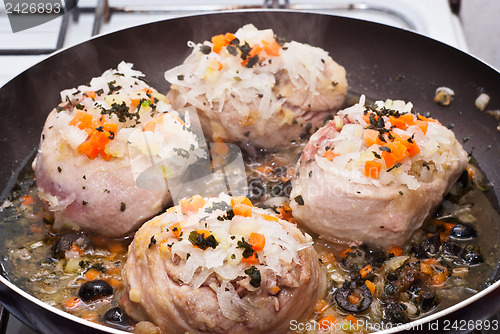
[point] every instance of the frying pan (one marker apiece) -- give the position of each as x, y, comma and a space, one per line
381, 62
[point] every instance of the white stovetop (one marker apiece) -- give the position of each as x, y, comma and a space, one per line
429, 17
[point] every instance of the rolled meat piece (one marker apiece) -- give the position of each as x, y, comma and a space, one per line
252, 86
98, 142
221, 265
374, 174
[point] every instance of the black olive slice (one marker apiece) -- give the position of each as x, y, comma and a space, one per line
115, 317
463, 231
342, 297
471, 254
94, 290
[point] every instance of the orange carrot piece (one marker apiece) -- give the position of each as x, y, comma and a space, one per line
220, 148
115, 283
117, 248
90, 94
326, 322
329, 155
370, 137
257, 241
27, 200
353, 299
395, 250
320, 306
344, 253
372, 169
242, 210
240, 200
192, 204
270, 218
439, 278
75, 248
397, 154
252, 259
425, 268
371, 287
92, 274
176, 229
365, 271
72, 303
272, 49
423, 125
352, 320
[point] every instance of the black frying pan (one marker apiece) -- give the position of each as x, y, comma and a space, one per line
381, 62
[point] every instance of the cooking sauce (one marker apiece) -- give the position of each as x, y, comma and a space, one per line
453, 256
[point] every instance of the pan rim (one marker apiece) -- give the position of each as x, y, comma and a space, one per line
423, 320
395, 329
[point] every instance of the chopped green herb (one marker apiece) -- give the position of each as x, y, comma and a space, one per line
152, 242
202, 242
247, 248
299, 200
254, 275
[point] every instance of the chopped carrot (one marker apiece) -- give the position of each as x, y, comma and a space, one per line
206, 233
99, 134
72, 303
220, 148
372, 169
439, 278
320, 306
353, 299
257, 241
345, 252
176, 230
410, 144
394, 250
193, 204
370, 137
370, 287
221, 41
270, 218
92, 274
366, 118
425, 268
326, 322
115, 283
448, 227
240, 200
398, 122
75, 248
27, 200
117, 248
328, 258
365, 271
272, 49
329, 155
275, 289
423, 125
90, 94
252, 259
242, 210
408, 119
352, 320
255, 51
397, 153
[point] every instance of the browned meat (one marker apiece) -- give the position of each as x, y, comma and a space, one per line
182, 288
335, 196
287, 92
